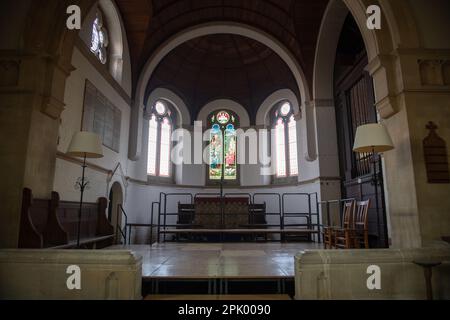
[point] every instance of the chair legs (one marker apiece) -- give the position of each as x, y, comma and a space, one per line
366, 239
359, 239
328, 238
345, 239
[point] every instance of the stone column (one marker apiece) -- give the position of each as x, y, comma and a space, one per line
410, 91
35, 62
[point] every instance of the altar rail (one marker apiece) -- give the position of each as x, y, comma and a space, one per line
288, 224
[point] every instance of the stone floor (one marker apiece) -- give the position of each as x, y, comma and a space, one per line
219, 260
220, 297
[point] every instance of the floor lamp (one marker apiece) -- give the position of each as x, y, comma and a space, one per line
373, 138
84, 145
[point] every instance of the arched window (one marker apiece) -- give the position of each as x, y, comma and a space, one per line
100, 39
159, 140
285, 143
222, 147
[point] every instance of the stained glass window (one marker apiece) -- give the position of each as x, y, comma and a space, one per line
223, 146
159, 140
99, 40
280, 148
285, 126
293, 158
152, 141
164, 163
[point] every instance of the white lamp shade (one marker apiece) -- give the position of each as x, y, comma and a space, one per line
372, 137
85, 144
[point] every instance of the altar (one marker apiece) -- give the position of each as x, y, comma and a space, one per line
221, 213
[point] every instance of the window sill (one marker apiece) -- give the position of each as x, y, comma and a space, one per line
284, 181
166, 181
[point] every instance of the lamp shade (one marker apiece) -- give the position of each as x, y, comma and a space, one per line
85, 144
372, 137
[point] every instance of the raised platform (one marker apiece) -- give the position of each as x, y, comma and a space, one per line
240, 231
220, 297
214, 268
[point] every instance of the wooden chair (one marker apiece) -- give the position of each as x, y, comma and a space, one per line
342, 237
329, 231
361, 232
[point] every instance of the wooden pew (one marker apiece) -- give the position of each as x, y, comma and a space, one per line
54, 224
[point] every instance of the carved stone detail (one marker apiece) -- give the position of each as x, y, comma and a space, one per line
436, 157
9, 70
434, 72
52, 107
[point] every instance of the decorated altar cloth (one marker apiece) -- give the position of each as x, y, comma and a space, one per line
221, 213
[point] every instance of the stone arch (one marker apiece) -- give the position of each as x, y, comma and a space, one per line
135, 146
270, 101
379, 45
184, 118
218, 104
397, 31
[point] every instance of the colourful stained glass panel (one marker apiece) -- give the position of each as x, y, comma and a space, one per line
223, 117
215, 153
230, 153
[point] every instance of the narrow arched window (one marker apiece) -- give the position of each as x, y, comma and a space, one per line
222, 147
159, 140
286, 153
100, 39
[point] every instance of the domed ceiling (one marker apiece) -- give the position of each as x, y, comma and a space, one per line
223, 66
294, 23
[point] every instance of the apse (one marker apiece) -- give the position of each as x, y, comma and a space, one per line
223, 66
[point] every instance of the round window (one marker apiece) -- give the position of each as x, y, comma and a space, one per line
285, 109
160, 108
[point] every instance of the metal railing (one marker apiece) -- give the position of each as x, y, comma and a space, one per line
310, 199
308, 214
123, 232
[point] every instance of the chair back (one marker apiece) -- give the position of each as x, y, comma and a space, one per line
347, 214
361, 215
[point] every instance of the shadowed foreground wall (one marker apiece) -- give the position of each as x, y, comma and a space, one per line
342, 274
41, 274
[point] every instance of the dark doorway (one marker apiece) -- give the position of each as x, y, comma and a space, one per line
111, 195
355, 106
114, 212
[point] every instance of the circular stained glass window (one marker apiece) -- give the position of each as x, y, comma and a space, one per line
223, 117
160, 108
285, 109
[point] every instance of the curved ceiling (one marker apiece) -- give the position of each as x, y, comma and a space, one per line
295, 23
223, 66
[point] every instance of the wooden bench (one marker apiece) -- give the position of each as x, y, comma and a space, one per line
51, 223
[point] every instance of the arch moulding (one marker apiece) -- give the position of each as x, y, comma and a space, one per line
135, 146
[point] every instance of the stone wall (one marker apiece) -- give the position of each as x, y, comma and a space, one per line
42, 274
343, 274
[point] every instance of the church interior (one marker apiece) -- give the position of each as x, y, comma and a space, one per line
204, 149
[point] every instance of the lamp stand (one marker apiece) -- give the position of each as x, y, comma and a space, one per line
82, 186
375, 182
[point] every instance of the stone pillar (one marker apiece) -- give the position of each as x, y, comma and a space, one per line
36, 66
410, 91
403, 206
